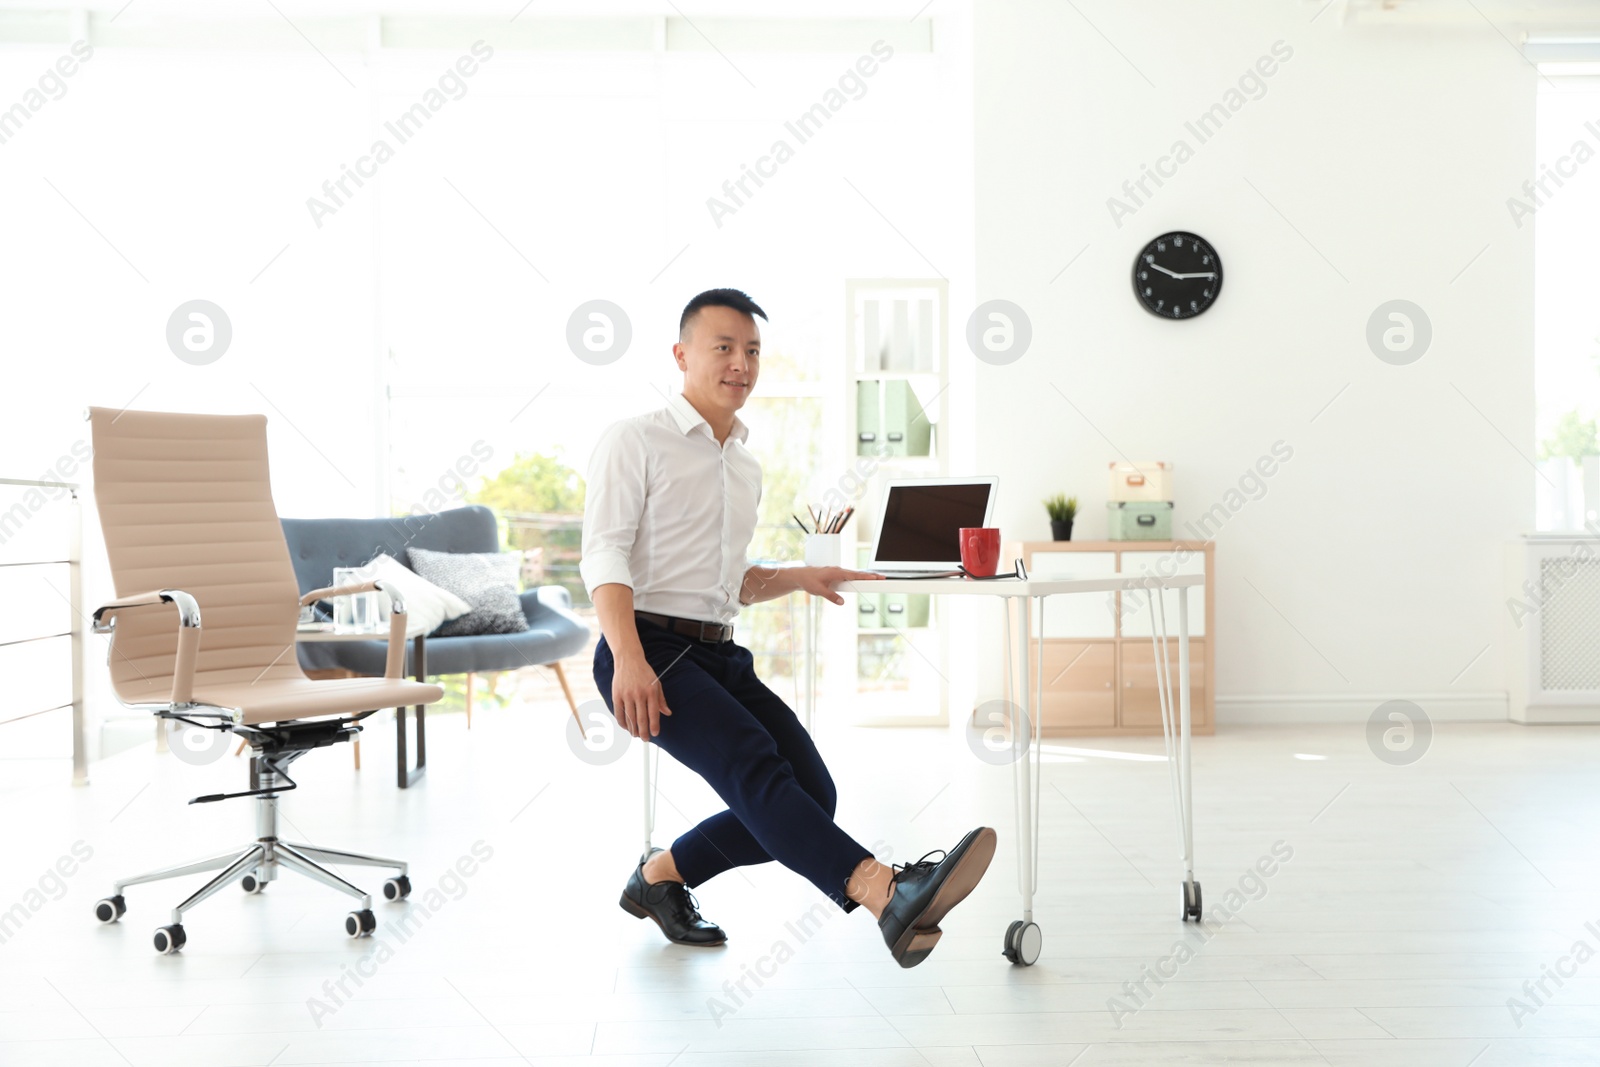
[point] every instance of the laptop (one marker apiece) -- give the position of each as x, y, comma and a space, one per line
920, 522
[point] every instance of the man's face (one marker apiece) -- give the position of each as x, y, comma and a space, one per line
720, 358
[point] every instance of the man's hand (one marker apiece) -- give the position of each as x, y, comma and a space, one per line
820, 581
636, 697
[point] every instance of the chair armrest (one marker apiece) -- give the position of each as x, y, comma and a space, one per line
395, 655
188, 607
188, 632
329, 592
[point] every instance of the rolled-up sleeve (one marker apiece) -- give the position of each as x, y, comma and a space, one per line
613, 503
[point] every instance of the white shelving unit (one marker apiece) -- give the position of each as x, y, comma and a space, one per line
896, 404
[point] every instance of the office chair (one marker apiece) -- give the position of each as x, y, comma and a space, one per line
185, 504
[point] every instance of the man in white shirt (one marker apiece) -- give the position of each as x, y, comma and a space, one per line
671, 508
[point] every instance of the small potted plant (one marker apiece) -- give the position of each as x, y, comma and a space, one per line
1063, 509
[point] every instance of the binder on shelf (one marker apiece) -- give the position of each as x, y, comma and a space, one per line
905, 611
899, 611
869, 418
906, 429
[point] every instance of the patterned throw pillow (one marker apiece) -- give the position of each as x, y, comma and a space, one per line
486, 580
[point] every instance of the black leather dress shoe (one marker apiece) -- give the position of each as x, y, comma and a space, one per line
673, 908
925, 891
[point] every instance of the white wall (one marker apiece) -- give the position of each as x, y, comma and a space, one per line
1369, 569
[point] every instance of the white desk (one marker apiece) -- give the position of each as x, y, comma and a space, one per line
1023, 937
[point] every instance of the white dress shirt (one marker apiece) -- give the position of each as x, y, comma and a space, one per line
670, 513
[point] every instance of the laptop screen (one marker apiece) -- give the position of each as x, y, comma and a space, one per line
922, 523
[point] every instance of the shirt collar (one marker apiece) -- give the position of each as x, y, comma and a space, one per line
687, 418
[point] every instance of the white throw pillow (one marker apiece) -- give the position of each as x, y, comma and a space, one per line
427, 606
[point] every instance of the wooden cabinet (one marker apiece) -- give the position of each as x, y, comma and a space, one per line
1098, 663
1080, 685
1141, 702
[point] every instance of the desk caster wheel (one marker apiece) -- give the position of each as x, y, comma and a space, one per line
111, 909
1023, 941
360, 923
251, 884
397, 888
169, 939
1191, 901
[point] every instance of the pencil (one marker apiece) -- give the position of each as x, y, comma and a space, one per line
798, 523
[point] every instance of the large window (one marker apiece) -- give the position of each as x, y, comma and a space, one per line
640, 180
400, 313
1566, 311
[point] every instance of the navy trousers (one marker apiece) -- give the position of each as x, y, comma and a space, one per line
734, 732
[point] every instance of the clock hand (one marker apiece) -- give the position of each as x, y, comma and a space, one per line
1164, 270
1197, 274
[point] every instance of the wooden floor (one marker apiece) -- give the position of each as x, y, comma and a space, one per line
1414, 902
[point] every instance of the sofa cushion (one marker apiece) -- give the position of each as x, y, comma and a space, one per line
485, 580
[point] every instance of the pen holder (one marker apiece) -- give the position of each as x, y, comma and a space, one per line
824, 550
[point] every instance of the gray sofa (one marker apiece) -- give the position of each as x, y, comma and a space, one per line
316, 546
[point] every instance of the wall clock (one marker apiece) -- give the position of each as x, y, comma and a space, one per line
1177, 276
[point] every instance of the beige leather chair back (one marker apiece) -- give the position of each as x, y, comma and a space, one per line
185, 502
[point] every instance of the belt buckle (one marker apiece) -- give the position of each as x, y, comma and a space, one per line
703, 625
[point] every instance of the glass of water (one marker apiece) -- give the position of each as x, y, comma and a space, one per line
363, 611
357, 612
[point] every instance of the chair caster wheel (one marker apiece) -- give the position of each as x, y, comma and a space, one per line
1191, 901
1023, 941
251, 884
397, 888
111, 909
170, 939
360, 923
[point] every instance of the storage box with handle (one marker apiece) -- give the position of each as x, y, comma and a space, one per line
1138, 520
1141, 481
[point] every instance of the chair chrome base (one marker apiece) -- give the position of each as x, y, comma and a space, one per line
260, 862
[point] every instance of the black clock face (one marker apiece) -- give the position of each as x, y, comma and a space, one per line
1177, 276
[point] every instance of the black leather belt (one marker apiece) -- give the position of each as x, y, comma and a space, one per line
712, 633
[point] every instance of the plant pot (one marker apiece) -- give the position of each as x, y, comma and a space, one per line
1061, 531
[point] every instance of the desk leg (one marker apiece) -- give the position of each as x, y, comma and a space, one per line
809, 621
649, 800
1023, 937
1024, 764
1191, 888
406, 775
1175, 729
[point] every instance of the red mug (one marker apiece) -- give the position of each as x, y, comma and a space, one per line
980, 549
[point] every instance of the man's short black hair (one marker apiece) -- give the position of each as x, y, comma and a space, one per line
737, 299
